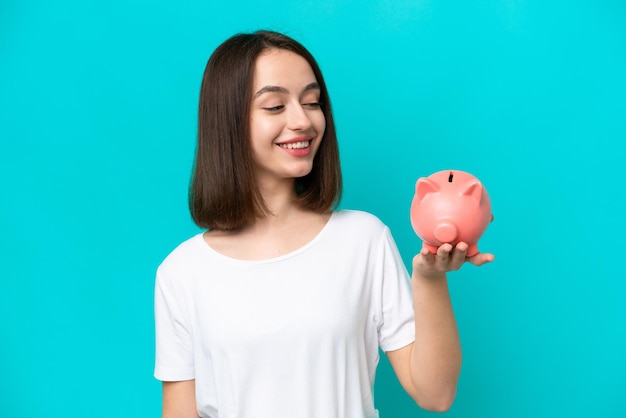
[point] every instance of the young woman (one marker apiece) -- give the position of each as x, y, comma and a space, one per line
279, 309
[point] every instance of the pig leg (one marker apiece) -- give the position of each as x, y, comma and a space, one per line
431, 248
472, 250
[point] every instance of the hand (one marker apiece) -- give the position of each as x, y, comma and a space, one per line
429, 265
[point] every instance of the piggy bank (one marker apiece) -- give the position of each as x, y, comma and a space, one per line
450, 206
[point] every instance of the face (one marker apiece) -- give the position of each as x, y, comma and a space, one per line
286, 120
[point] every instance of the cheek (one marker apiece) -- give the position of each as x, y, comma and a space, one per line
320, 124
263, 130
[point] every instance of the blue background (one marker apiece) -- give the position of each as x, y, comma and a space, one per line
97, 129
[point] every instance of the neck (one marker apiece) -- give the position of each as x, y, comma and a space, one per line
280, 199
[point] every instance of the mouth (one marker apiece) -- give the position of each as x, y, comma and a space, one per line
296, 145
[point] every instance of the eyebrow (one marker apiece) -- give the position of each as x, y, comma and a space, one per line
278, 89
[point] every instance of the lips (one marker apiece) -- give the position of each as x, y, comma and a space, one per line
297, 147
297, 139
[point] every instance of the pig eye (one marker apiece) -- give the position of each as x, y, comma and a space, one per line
450, 177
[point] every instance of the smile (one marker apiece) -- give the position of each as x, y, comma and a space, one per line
296, 145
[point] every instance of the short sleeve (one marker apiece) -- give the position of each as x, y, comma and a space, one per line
174, 353
396, 328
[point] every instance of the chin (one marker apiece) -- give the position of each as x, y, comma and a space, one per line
301, 171
304, 173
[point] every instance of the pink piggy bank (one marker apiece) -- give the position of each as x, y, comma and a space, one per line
450, 206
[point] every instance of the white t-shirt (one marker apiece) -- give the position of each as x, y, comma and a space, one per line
296, 336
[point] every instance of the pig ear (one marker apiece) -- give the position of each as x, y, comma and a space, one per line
474, 189
425, 186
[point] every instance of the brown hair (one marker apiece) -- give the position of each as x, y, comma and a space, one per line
224, 193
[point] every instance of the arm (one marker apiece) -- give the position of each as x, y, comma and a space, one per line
429, 368
179, 399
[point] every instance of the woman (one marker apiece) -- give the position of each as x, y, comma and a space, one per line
280, 307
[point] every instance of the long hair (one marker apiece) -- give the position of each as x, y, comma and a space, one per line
224, 192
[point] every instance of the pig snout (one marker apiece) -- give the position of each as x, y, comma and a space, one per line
445, 231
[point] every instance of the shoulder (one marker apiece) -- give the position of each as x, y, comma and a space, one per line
183, 256
351, 216
359, 221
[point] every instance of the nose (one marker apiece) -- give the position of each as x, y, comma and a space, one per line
297, 118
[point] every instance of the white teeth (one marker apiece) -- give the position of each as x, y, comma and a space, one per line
296, 145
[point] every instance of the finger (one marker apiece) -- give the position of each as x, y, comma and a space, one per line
427, 256
458, 256
443, 257
481, 259
424, 257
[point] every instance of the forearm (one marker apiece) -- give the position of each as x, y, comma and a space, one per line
436, 356
179, 399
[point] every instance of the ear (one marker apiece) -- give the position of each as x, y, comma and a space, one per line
474, 189
425, 186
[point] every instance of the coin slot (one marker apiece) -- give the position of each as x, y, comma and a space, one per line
450, 177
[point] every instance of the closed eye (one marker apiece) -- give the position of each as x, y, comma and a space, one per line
312, 105
274, 109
